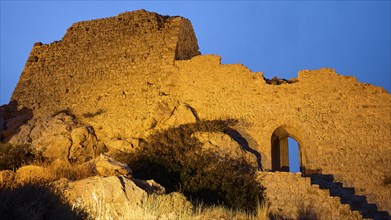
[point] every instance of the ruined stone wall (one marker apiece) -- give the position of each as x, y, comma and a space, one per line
343, 126
127, 75
106, 64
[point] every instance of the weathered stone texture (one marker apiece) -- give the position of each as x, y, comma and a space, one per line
126, 76
113, 64
343, 126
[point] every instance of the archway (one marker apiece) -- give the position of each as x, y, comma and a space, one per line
282, 143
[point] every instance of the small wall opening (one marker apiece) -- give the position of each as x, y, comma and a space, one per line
286, 152
294, 155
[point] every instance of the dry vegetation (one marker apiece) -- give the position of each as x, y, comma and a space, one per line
33, 201
174, 159
70, 171
13, 157
172, 206
201, 185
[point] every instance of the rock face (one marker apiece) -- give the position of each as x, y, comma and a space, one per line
51, 136
117, 197
106, 166
59, 136
123, 145
84, 144
224, 146
126, 77
102, 193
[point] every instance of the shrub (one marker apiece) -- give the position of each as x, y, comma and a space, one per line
33, 201
71, 171
174, 159
13, 157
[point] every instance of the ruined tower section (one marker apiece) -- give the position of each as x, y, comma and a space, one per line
101, 64
129, 75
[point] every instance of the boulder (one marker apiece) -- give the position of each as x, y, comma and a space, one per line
59, 136
162, 111
182, 114
103, 197
128, 145
171, 114
224, 146
48, 135
150, 186
106, 166
57, 146
117, 197
85, 145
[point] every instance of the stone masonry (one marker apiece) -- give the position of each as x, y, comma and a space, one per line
126, 75
294, 197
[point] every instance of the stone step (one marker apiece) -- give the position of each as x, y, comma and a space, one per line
346, 195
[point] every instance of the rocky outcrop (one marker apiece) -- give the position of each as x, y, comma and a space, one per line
85, 145
60, 136
106, 166
126, 145
150, 186
51, 136
96, 194
168, 114
148, 77
224, 146
117, 197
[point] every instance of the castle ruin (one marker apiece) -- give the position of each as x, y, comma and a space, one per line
139, 72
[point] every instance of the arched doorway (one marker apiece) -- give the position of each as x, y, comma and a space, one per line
284, 153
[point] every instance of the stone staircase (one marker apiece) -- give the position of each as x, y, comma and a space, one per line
317, 196
291, 196
347, 196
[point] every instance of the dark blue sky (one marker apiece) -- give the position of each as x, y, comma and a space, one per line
275, 37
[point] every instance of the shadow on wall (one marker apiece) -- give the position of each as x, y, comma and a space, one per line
11, 119
236, 136
35, 202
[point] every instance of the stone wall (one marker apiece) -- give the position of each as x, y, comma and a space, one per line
343, 126
128, 74
118, 56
